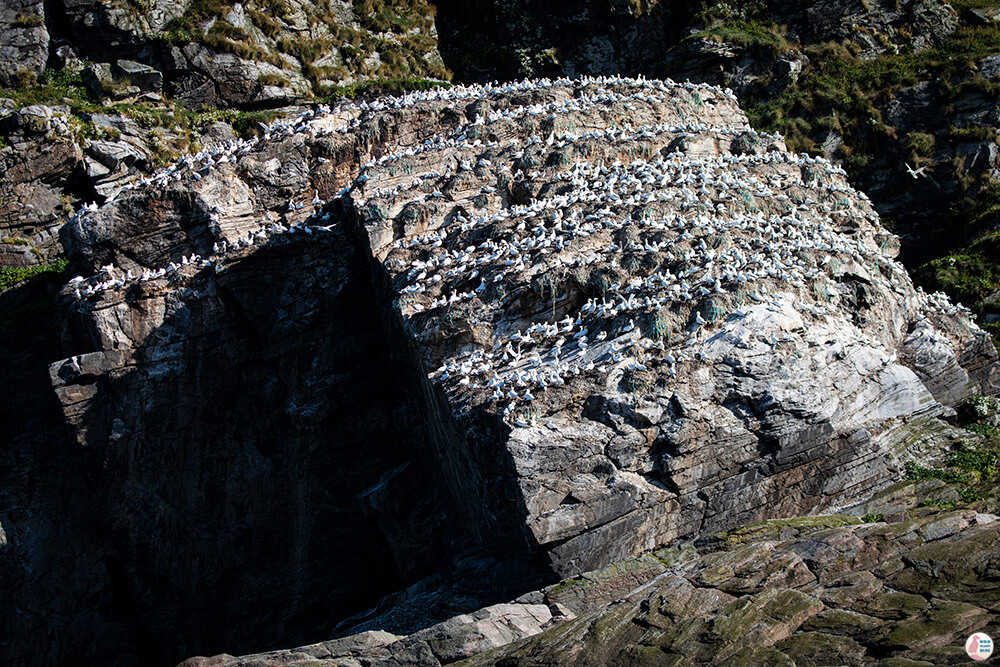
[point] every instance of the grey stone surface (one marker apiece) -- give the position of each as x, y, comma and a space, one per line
24, 39
139, 74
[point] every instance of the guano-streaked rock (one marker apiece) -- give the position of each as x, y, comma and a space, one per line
622, 316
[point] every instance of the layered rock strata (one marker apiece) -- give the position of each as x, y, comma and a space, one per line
619, 317
805, 591
660, 320
257, 440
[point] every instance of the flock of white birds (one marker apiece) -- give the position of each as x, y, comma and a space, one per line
668, 242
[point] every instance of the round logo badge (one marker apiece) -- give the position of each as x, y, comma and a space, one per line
979, 646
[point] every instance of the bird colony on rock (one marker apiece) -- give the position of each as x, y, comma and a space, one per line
662, 320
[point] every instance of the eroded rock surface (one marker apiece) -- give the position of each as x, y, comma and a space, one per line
804, 591
668, 323
850, 595
619, 317
24, 40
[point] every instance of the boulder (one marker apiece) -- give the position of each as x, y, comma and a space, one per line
143, 76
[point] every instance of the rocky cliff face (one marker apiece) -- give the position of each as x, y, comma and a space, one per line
219, 53
807, 591
94, 94
562, 322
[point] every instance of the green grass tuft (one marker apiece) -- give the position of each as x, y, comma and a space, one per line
375, 87
10, 277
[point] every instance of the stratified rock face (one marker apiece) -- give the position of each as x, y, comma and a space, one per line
24, 39
620, 317
257, 441
664, 322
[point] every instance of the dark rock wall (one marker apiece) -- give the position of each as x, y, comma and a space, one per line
58, 605
260, 460
483, 40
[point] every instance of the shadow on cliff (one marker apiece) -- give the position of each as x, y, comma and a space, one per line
271, 460
48, 552
484, 40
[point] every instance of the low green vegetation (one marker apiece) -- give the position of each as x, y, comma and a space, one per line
54, 87
772, 529
10, 277
839, 86
758, 36
966, 277
189, 26
29, 20
972, 273
973, 466
397, 16
985, 430
973, 470
376, 87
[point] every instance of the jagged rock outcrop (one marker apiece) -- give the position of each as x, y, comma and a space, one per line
879, 26
619, 317
41, 164
250, 53
804, 591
